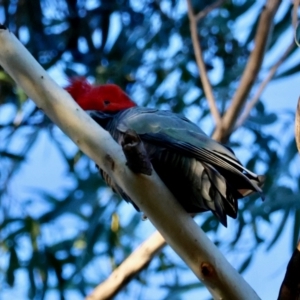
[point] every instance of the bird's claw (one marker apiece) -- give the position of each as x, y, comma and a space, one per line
136, 155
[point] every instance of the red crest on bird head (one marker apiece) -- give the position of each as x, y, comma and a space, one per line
106, 98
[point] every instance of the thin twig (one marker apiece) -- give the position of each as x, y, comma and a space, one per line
297, 119
201, 66
253, 66
133, 264
262, 86
297, 126
295, 20
200, 15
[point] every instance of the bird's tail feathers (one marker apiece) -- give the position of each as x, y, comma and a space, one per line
219, 192
221, 196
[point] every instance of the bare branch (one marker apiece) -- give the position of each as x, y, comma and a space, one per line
133, 264
181, 233
201, 66
253, 66
297, 126
262, 86
200, 15
290, 288
295, 20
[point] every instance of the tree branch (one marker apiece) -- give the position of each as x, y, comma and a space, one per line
297, 126
135, 262
200, 15
295, 19
201, 65
262, 86
181, 233
253, 66
290, 288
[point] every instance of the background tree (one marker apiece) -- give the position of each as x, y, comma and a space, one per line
67, 234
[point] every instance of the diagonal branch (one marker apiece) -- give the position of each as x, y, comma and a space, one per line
201, 65
262, 86
290, 288
135, 262
253, 66
297, 126
295, 19
200, 15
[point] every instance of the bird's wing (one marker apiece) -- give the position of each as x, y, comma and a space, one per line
172, 131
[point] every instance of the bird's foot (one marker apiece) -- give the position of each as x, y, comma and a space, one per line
136, 155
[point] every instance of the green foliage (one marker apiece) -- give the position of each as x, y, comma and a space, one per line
79, 227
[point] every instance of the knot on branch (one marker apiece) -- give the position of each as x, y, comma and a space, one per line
110, 162
207, 270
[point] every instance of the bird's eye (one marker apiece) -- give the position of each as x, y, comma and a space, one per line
106, 102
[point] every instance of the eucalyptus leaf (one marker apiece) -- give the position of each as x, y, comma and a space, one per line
264, 119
